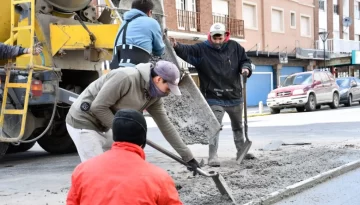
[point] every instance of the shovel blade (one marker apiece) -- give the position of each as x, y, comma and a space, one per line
223, 187
241, 155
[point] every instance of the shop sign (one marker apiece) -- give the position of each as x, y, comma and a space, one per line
355, 57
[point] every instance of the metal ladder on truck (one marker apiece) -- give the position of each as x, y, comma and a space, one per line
29, 68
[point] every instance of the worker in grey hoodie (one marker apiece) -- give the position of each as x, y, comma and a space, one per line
90, 117
9, 52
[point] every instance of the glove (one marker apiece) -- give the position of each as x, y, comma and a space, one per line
36, 50
193, 164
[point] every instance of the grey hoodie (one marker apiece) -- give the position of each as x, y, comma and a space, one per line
123, 88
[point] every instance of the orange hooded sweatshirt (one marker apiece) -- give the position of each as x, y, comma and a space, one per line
121, 176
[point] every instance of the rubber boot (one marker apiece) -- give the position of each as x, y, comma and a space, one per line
239, 143
213, 158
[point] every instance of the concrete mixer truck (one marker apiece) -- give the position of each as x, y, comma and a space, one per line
77, 37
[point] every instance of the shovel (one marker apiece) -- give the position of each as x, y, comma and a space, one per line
247, 143
217, 178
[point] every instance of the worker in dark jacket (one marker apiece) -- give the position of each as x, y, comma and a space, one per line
9, 52
219, 62
121, 176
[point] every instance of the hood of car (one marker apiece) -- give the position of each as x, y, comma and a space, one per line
289, 88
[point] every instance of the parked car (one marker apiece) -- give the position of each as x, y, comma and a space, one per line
305, 91
349, 90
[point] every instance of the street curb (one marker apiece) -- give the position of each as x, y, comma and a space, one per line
258, 114
303, 185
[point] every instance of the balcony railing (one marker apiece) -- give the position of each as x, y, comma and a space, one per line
188, 20
235, 26
339, 46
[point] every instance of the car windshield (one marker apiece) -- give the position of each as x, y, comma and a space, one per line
300, 79
343, 82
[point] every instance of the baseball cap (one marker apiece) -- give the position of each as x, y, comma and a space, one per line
169, 72
217, 28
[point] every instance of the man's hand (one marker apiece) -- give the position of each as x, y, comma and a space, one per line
245, 70
172, 41
193, 165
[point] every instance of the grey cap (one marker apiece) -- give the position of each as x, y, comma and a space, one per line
169, 72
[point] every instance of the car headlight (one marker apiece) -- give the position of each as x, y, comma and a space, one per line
271, 95
343, 91
298, 92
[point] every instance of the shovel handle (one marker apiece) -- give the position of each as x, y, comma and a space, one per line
244, 78
178, 159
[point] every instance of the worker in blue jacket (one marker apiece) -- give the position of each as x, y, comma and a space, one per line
219, 62
139, 36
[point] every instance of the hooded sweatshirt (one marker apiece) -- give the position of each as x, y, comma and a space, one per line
144, 32
218, 69
123, 88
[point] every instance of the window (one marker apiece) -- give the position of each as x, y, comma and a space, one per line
305, 26
292, 19
357, 37
193, 5
180, 4
322, 5
277, 20
317, 77
336, 9
324, 77
250, 15
357, 10
220, 8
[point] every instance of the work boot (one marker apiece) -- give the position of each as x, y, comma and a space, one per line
213, 158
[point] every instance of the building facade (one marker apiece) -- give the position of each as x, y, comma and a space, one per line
341, 19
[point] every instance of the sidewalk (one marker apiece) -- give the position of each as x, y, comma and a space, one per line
342, 190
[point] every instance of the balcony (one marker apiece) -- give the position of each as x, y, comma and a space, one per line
235, 26
188, 20
339, 46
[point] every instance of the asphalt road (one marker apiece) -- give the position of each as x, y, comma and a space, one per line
342, 190
37, 178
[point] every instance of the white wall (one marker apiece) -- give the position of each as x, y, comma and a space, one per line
357, 21
346, 8
357, 26
336, 22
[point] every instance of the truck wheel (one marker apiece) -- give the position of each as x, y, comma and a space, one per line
274, 111
23, 147
311, 104
58, 141
3, 147
335, 102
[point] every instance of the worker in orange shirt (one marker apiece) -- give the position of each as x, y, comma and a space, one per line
121, 175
